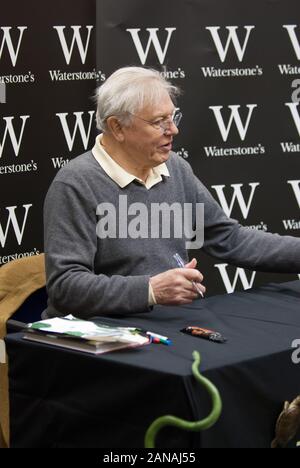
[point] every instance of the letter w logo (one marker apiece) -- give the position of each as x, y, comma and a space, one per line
12, 219
13, 52
293, 106
76, 38
232, 37
291, 30
237, 195
153, 39
296, 188
85, 135
9, 129
240, 274
235, 116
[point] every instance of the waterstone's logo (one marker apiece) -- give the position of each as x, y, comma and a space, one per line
239, 119
291, 147
288, 68
159, 41
234, 117
240, 274
75, 42
7, 40
296, 189
12, 130
239, 198
76, 128
223, 47
84, 129
76, 38
11, 42
13, 225
157, 221
18, 227
293, 224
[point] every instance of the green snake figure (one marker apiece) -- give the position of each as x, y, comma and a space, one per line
195, 426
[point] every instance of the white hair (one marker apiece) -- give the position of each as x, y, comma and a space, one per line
127, 91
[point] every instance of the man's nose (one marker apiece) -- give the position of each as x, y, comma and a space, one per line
172, 129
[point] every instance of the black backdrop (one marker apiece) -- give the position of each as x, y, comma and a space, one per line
237, 63
55, 91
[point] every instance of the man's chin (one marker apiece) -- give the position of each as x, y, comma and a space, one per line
164, 155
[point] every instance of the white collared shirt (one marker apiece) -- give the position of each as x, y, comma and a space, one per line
120, 175
124, 178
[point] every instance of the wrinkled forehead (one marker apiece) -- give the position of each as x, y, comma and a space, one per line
157, 105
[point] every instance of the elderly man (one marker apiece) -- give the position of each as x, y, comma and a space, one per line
93, 265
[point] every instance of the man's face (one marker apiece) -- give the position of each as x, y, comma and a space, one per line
146, 144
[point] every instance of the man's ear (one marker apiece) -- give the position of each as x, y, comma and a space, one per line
115, 128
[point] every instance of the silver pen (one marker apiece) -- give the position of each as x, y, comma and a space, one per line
181, 264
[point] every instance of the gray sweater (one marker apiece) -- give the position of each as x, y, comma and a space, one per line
88, 275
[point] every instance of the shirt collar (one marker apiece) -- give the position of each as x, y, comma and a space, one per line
119, 175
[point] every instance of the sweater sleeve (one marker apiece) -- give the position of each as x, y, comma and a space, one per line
227, 240
71, 244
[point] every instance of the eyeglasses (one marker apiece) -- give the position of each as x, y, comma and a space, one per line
164, 124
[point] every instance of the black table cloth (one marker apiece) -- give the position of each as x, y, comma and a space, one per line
63, 398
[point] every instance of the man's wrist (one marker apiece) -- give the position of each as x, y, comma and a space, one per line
151, 296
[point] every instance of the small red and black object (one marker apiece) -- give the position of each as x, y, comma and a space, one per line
205, 333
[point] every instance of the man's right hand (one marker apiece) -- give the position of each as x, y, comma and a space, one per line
174, 287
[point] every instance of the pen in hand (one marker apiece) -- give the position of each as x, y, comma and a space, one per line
181, 264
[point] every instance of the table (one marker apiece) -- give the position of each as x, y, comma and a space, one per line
63, 398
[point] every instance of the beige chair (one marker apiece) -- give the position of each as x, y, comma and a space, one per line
18, 280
